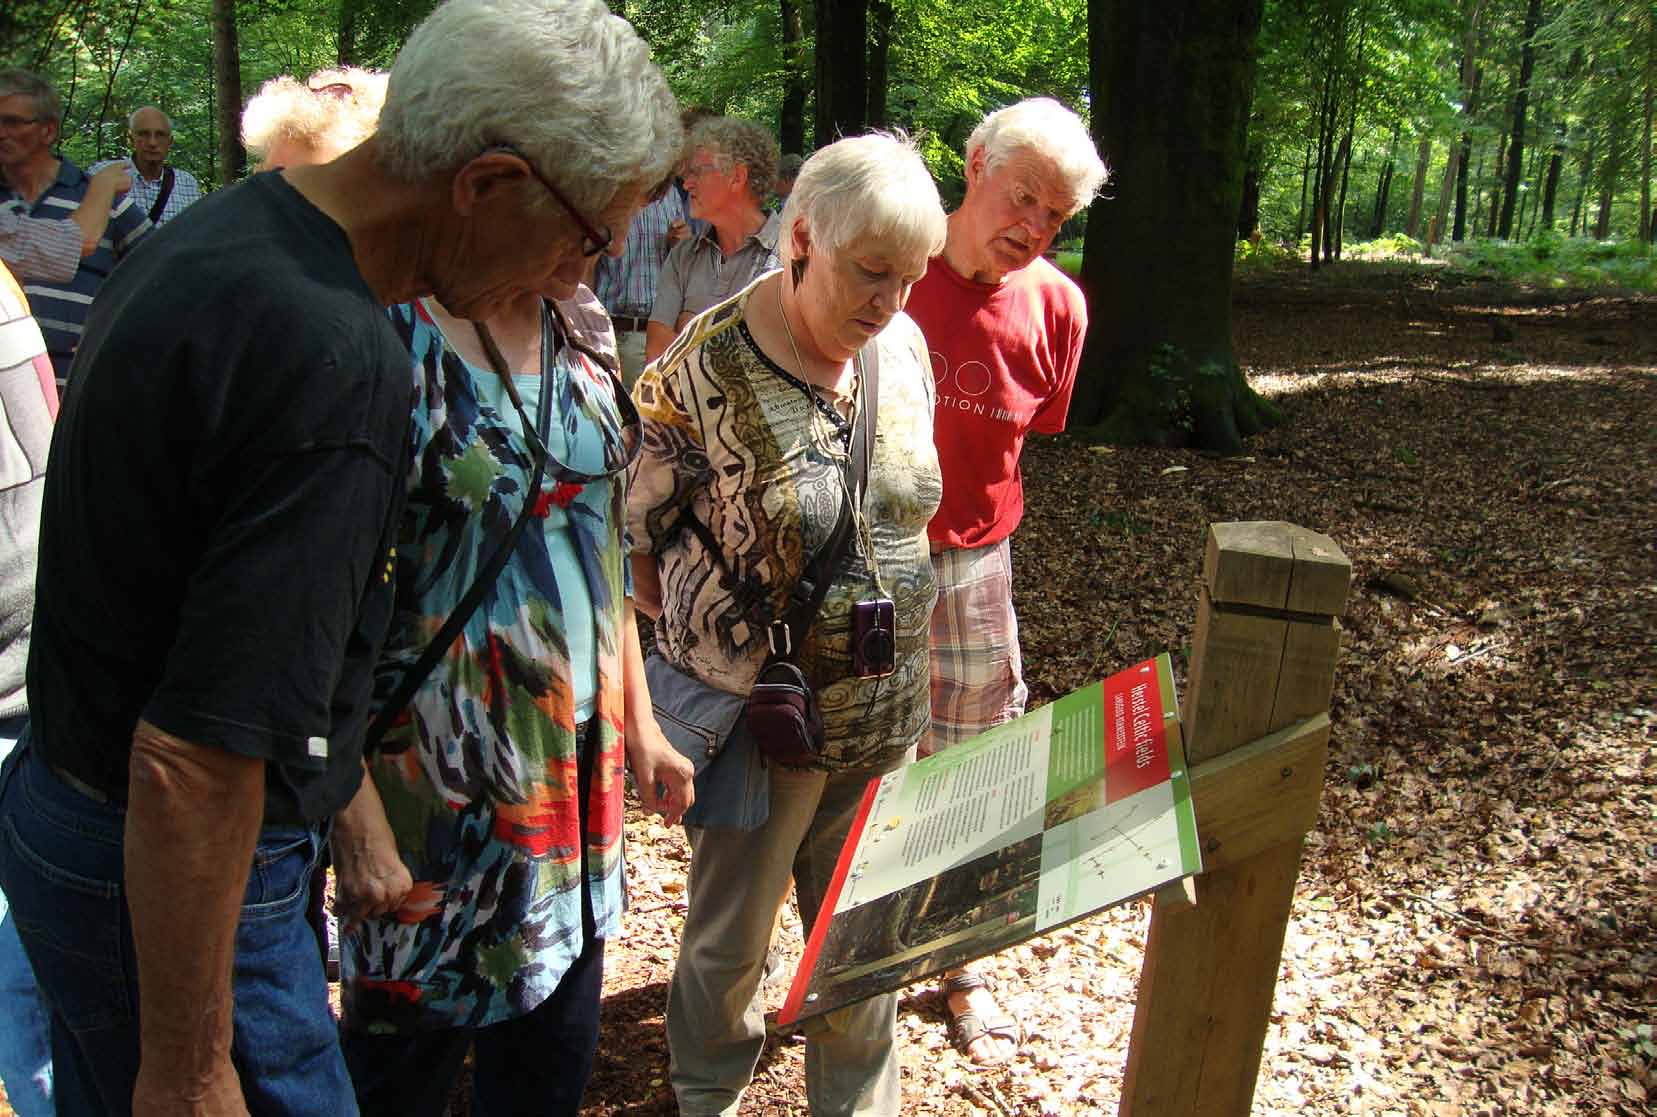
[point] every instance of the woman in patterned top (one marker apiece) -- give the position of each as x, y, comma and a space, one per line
480, 867
747, 425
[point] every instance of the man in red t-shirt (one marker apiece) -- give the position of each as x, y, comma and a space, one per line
1005, 329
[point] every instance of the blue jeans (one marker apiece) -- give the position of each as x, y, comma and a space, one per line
535, 1065
61, 866
26, 1036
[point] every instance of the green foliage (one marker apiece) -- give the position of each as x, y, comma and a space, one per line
1262, 254
1386, 247
1554, 261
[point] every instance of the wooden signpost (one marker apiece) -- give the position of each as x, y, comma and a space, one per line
1256, 721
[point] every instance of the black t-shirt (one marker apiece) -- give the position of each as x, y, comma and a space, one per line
221, 502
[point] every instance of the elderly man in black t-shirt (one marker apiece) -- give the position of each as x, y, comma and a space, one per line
216, 545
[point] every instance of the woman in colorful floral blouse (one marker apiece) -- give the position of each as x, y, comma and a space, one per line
748, 418
480, 868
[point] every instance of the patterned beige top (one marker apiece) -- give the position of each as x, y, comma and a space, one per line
748, 449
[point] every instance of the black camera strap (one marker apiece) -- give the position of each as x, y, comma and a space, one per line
787, 634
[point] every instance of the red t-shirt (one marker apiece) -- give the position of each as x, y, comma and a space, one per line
1004, 358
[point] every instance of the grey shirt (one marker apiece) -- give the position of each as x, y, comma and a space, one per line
697, 275
26, 406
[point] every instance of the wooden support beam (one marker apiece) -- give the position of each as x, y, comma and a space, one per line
1257, 732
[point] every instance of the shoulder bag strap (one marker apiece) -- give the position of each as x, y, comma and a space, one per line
161, 198
439, 646
787, 634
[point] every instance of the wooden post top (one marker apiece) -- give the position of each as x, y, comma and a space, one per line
1270, 564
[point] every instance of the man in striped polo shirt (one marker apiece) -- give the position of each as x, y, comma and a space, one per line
40, 184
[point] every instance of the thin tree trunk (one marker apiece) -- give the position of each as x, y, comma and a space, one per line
1646, 216
1495, 189
1521, 97
1377, 223
227, 66
1305, 174
1550, 189
1340, 207
1423, 155
114, 72
1468, 69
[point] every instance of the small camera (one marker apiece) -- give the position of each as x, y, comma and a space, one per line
874, 638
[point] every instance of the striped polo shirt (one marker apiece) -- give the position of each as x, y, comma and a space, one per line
60, 308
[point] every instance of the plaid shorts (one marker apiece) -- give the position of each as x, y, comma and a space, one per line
977, 674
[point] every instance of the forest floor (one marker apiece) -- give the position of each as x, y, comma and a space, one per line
1475, 926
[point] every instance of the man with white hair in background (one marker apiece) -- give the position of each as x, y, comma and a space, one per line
1005, 331
198, 701
162, 192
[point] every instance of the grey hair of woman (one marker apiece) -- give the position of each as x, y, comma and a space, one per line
732, 140
865, 188
563, 82
1045, 127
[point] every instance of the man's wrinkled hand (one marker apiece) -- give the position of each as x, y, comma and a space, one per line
116, 176
666, 780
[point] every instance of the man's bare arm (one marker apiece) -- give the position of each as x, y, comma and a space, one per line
92, 215
193, 818
657, 338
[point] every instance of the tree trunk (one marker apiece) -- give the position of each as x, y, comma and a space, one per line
1172, 86
227, 66
880, 49
791, 117
1646, 217
1340, 205
1550, 188
842, 69
1412, 227
1469, 68
1248, 213
1521, 97
1495, 190
1458, 232
1305, 176
1378, 219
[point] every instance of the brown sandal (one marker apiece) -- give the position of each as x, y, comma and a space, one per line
968, 1028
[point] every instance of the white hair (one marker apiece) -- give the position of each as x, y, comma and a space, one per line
1045, 127
874, 186
132, 117
335, 109
565, 83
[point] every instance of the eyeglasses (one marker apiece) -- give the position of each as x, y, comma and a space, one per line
700, 169
593, 240
12, 123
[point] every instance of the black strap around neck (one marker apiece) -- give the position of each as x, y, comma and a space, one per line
439, 646
161, 198
787, 633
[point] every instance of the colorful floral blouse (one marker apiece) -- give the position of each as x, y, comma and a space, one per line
746, 448
501, 815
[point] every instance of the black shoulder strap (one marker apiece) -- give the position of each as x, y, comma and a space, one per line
787, 634
161, 198
807, 596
